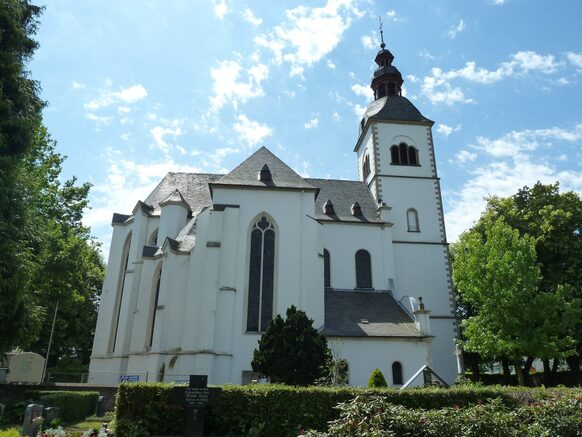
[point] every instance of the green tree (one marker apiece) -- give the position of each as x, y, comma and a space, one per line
20, 114
554, 220
291, 351
377, 379
498, 275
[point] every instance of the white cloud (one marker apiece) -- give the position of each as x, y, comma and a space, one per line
228, 87
309, 33
314, 122
455, 30
368, 42
108, 97
498, 2
363, 90
99, 120
250, 17
505, 165
438, 89
219, 154
575, 59
159, 132
251, 132
337, 117
330, 64
125, 136
445, 130
220, 8
77, 85
465, 156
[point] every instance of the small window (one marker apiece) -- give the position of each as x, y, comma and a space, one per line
326, 269
381, 91
412, 220
154, 307
154, 238
395, 155
120, 290
397, 373
412, 156
366, 167
363, 269
391, 89
403, 153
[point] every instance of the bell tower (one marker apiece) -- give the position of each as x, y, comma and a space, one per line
396, 161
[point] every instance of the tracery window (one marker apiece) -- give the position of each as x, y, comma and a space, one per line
363, 269
120, 289
412, 220
154, 238
326, 269
397, 373
153, 310
403, 154
261, 275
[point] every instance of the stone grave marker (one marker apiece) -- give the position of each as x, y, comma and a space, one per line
195, 398
50, 414
32, 412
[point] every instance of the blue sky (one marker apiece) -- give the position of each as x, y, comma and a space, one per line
139, 88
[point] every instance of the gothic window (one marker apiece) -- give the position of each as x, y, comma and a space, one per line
395, 154
261, 275
154, 238
403, 154
366, 167
397, 373
326, 269
363, 269
153, 310
412, 220
120, 287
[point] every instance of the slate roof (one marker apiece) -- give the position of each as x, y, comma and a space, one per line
193, 188
345, 310
246, 173
396, 108
343, 194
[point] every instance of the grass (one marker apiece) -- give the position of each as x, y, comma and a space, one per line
86, 424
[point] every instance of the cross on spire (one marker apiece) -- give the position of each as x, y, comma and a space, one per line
381, 33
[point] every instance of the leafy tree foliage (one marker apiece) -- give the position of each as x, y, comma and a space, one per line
498, 275
20, 114
377, 379
291, 351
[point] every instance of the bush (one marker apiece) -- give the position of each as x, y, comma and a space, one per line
283, 411
377, 379
73, 405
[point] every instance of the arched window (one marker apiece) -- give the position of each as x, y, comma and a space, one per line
381, 91
154, 238
403, 153
363, 269
412, 220
120, 288
397, 373
412, 156
261, 275
395, 154
391, 89
326, 269
366, 167
153, 310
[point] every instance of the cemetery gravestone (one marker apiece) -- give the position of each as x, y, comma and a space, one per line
50, 414
195, 398
32, 412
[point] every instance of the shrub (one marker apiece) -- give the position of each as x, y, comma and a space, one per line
73, 405
377, 379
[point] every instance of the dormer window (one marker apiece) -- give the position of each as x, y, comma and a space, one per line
403, 154
265, 174
356, 209
328, 208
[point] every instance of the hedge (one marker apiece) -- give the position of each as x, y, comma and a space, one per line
144, 408
73, 405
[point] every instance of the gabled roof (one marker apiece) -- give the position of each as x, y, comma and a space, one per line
366, 314
246, 174
343, 194
193, 187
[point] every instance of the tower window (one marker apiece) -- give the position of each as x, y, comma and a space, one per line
363, 269
366, 167
120, 290
403, 154
154, 307
391, 89
261, 275
412, 220
326, 269
397, 373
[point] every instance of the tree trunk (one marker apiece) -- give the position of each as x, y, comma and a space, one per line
548, 376
526, 368
574, 365
555, 365
506, 371
519, 373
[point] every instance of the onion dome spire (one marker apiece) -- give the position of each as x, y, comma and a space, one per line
387, 80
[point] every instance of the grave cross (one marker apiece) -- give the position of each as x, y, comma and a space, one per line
196, 397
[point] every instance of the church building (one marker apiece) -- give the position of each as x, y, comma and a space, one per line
203, 264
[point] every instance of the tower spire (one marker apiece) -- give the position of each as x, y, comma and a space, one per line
387, 80
382, 45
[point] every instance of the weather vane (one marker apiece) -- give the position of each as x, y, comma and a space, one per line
381, 33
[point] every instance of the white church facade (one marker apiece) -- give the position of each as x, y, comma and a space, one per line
200, 267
